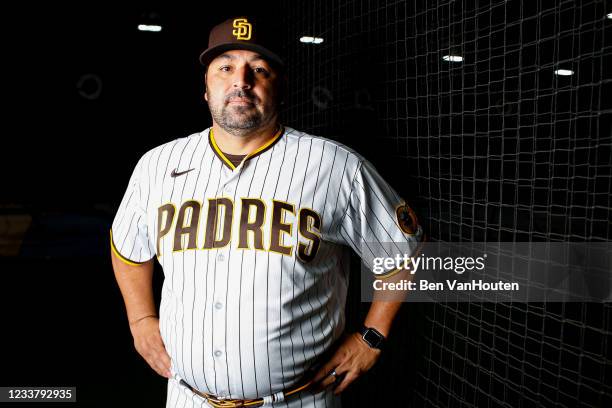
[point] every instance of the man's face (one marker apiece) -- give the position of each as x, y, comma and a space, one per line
241, 91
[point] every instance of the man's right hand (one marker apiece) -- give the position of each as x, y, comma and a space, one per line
149, 344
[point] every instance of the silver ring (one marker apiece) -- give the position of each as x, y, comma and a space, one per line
333, 373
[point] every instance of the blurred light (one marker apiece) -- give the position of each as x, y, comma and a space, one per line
452, 58
149, 27
564, 72
610, 16
311, 40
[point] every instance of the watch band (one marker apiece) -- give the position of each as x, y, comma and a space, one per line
373, 337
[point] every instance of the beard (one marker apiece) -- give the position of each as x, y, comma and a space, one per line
237, 119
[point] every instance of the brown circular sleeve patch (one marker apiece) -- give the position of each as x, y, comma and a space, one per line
407, 219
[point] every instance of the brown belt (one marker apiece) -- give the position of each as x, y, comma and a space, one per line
235, 403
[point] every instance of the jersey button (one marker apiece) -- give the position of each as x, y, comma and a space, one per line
218, 305
218, 353
220, 257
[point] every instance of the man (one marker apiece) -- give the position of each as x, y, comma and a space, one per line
250, 221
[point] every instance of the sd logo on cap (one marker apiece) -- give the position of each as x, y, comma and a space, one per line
242, 29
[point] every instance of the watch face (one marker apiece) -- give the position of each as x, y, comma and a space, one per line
371, 337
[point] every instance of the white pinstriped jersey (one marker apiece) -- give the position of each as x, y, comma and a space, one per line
254, 256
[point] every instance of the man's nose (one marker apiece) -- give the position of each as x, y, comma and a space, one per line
243, 78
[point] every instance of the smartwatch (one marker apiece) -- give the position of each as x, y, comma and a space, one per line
373, 337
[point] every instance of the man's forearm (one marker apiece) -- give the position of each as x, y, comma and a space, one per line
381, 315
136, 285
386, 303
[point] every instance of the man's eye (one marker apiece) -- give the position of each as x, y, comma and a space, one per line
261, 70
224, 68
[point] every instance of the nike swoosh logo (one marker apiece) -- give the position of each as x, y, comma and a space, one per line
179, 173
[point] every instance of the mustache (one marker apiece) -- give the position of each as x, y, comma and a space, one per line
239, 93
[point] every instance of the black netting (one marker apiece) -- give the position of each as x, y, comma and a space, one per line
494, 148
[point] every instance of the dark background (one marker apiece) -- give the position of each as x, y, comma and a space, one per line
496, 148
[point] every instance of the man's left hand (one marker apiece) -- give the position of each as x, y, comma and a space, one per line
352, 358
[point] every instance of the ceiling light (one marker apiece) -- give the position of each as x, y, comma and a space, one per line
311, 40
564, 72
452, 58
149, 27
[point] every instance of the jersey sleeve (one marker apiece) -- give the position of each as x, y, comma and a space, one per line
377, 222
129, 236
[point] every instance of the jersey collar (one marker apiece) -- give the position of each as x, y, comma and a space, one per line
256, 152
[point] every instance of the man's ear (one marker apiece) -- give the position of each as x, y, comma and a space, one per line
205, 87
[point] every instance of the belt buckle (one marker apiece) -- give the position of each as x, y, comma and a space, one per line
227, 401
220, 398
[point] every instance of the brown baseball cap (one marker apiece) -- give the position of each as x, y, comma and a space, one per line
242, 33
